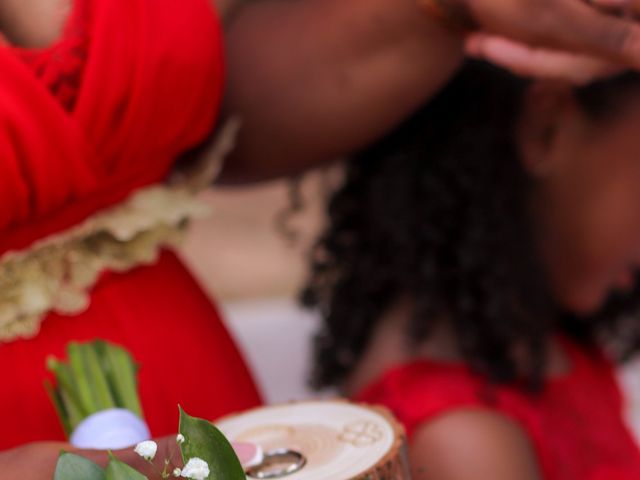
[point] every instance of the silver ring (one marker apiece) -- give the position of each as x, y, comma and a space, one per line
277, 464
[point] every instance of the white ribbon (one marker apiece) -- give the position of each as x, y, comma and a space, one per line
113, 429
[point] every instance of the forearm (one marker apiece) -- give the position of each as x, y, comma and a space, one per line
317, 79
30, 462
37, 461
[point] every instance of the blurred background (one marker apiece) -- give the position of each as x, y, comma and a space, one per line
251, 254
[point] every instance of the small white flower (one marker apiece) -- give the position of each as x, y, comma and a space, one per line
180, 439
196, 469
177, 472
147, 449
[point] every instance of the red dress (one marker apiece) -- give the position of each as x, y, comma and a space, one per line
108, 109
575, 425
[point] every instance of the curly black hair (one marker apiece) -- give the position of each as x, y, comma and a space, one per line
437, 211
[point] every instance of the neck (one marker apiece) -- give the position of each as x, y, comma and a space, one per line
390, 347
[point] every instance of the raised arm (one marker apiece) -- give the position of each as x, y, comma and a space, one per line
316, 79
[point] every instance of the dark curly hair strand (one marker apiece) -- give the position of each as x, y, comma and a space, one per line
437, 211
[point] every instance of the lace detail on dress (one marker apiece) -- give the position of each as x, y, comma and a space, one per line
57, 273
61, 66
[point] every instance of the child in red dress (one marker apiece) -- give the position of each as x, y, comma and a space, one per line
478, 277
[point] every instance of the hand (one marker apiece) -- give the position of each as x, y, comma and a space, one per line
523, 60
37, 461
167, 449
566, 25
566, 39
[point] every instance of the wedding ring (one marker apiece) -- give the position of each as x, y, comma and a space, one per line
278, 464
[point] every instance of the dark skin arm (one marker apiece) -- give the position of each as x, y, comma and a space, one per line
37, 461
473, 445
316, 79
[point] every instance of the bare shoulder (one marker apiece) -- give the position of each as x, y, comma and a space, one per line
33, 23
470, 444
38, 23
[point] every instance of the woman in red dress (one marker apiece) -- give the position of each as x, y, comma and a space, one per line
91, 126
477, 262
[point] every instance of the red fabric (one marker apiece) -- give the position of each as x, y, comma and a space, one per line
60, 67
149, 91
575, 425
160, 314
146, 89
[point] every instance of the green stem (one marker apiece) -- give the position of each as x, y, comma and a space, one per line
101, 392
67, 392
81, 377
58, 403
122, 378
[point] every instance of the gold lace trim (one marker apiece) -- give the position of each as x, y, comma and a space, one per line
57, 274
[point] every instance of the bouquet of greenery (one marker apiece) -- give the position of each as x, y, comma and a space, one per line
206, 455
96, 395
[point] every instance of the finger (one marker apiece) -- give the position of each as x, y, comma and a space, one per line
585, 29
623, 8
610, 4
249, 454
539, 63
615, 4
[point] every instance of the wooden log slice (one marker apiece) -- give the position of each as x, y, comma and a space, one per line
337, 440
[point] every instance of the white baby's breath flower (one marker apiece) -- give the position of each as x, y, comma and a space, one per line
196, 469
177, 472
180, 438
146, 449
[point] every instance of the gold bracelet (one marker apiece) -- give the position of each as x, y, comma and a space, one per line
451, 13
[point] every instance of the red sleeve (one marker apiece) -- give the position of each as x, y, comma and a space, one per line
421, 391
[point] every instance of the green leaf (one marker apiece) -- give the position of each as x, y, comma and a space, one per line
203, 440
74, 467
116, 470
